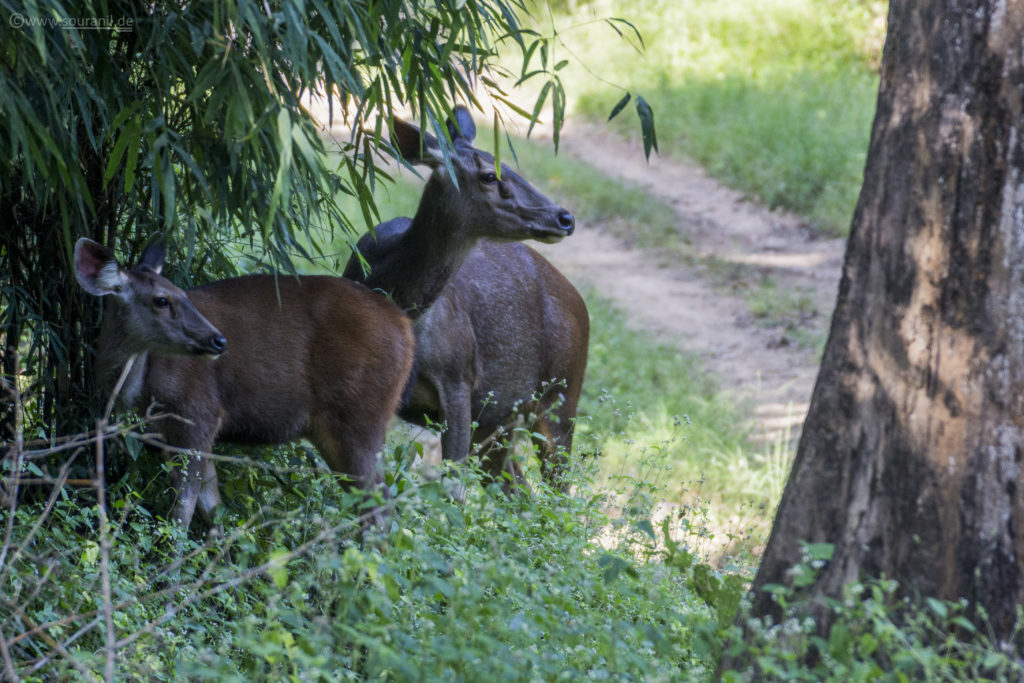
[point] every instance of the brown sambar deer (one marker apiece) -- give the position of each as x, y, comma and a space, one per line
251, 360
496, 324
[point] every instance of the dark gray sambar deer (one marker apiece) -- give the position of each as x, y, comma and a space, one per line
496, 324
252, 360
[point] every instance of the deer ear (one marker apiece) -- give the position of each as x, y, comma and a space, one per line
97, 270
153, 255
463, 126
415, 146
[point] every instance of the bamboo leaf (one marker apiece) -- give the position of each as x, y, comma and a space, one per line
620, 106
129, 136
647, 131
497, 145
538, 105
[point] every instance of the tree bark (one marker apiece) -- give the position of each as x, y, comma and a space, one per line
911, 454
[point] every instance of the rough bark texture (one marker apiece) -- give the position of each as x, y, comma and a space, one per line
912, 451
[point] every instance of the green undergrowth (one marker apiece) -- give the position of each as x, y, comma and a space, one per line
775, 98
505, 588
538, 587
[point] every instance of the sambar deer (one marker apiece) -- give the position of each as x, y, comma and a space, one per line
496, 324
252, 360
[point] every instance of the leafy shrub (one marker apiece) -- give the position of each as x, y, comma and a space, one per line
507, 587
874, 636
548, 586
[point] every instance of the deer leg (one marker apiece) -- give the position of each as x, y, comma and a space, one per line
209, 490
553, 446
499, 462
456, 410
555, 424
350, 444
195, 484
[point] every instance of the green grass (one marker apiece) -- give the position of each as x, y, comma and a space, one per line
775, 98
654, 417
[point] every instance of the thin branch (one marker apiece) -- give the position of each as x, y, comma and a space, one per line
19, 611
128, 365
42, 517
61, 650
247, 575
8, 662
19, 461
110, 650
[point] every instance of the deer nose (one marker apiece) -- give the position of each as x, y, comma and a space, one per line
567, 222
218, 343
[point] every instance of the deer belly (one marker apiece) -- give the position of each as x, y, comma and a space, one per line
270, 421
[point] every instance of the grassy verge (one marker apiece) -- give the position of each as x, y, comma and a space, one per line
659, 424
774, 98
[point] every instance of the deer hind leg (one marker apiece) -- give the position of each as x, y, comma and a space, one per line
553, 445
499, 462
457, 412
553, 438
349, 445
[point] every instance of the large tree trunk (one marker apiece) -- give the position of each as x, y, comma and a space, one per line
911, 454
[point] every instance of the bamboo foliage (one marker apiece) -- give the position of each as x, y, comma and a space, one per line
122, 120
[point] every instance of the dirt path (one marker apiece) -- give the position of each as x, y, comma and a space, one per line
757, 365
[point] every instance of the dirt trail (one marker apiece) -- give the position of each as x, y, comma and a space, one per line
757, 365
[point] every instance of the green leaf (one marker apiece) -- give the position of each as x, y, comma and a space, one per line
938, 607
90, 553
645, 527
611, 21
840, 642
820, 551
646, 115
281, 181
612, 566
538, 105
992, 660
131, 163
620, 106
129, 137
496, 132
455, 516
963, 623
277, 568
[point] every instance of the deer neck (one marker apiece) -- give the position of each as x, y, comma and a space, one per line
433, 248
115, 348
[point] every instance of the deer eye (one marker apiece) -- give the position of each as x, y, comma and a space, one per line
488, 178
161, 302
